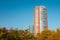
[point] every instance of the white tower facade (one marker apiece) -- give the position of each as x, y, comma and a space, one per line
40, 19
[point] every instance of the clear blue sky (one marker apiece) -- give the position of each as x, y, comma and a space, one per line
20, 13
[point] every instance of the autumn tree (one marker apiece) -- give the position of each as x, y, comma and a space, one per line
45, 34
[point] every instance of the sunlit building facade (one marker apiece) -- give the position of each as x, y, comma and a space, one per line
40, 19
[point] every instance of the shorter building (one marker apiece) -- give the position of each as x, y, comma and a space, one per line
31, 28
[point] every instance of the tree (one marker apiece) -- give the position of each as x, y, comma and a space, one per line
52, 37
58, 35
45, 34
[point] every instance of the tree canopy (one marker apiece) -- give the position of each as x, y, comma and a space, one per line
25, 35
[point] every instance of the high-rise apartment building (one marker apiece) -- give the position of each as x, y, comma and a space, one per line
40, 19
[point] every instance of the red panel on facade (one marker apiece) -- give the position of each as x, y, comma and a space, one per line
38, 19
